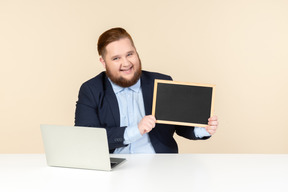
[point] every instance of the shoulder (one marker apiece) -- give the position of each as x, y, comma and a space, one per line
94, 85
155, 75
97, 81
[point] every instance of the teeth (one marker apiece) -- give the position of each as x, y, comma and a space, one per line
126, 69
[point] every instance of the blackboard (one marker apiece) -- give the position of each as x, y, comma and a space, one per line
179, 103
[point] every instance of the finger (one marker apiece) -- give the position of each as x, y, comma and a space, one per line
151, 121
213, 123
148, 121
213, 118
152, 124
211, 129
151, 117
148, 126
148, 129
212, 132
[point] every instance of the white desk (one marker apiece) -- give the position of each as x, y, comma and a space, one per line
184, 172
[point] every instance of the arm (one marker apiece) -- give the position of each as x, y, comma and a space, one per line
199, 132
87, 114
133, 133
188, 132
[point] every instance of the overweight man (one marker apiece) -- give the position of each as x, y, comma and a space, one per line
120, 100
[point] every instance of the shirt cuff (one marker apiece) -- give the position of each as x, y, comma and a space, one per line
131, 134
201, 132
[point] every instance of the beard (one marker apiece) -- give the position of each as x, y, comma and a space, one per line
121, 81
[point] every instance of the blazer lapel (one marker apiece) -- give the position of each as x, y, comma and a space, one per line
112, 100
147, 91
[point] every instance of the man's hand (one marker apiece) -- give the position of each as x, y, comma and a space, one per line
146, 124
212, 125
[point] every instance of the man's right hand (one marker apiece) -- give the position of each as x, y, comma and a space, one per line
146, 124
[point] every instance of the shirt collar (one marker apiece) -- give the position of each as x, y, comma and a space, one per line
116, 88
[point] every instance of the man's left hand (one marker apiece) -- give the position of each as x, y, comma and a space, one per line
212, 125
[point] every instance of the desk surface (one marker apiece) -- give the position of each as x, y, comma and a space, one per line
183, 172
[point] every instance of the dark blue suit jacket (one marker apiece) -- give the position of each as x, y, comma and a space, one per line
97, 106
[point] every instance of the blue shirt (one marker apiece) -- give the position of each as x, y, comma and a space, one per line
131, 106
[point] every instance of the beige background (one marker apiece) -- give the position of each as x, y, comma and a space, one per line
48, 49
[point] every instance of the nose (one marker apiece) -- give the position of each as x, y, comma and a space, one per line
125, 62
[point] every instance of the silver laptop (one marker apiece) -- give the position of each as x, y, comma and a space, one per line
77, 147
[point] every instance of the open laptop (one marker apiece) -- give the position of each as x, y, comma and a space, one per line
77, 147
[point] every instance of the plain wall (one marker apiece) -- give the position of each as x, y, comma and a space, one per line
48, 49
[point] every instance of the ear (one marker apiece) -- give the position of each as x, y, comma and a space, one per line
102, 61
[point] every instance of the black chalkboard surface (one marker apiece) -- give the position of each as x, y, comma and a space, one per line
179, 103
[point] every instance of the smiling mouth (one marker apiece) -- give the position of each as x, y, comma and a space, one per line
128, 70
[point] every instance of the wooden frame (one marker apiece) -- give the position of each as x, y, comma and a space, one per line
191, 88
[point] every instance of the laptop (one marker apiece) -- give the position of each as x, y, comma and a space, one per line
77, 147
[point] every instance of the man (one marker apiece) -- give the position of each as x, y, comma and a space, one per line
120, 100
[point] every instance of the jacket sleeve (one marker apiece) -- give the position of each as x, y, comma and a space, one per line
87, 115
188, 133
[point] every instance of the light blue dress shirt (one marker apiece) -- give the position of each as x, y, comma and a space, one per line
131, 106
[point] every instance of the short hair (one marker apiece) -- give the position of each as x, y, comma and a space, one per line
110, 36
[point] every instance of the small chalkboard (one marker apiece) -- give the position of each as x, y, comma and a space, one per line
177, 103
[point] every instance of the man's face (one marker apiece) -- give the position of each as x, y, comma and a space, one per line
122, 63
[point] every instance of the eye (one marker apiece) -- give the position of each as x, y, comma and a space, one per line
115, 58
129, 54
